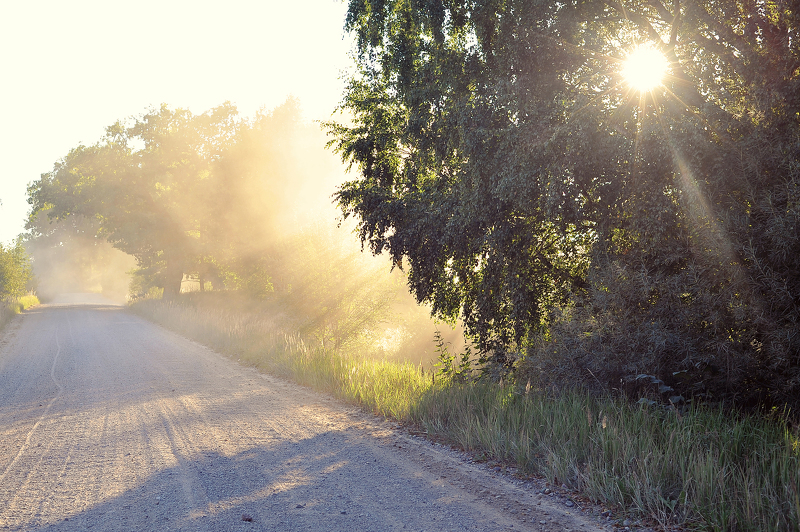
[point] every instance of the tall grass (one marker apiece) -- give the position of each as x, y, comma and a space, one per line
9, 309
705, 468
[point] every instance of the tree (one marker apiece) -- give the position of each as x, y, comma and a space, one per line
206, 196
273, 180
145, 187
503, 159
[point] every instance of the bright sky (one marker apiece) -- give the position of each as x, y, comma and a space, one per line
69, 69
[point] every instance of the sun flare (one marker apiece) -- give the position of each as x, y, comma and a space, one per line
644, 68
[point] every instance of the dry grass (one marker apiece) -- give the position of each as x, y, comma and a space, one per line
9, 309
269, 342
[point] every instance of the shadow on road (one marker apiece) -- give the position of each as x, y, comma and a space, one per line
304, 485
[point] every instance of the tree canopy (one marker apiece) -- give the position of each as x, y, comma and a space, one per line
506, 163
136, 185
200, 195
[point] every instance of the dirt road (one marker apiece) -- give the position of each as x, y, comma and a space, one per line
108, 422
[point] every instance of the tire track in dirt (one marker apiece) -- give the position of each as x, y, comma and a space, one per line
26, 444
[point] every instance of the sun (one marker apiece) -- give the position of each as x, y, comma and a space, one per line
644, 68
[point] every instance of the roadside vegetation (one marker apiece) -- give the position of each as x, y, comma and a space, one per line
585, 226
16, 282
11, 308
701, 467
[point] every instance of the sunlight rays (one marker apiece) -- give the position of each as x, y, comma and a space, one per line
644, 80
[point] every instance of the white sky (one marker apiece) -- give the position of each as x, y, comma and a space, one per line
68, 69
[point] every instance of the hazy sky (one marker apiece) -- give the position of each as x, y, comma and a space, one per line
68, 69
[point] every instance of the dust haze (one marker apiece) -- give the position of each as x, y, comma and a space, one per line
70, 258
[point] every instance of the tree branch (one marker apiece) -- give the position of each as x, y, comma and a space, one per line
663, 12
737, 41
673, 36
719, 48
640, 20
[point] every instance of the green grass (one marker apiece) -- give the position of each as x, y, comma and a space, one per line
9, 309
705, 469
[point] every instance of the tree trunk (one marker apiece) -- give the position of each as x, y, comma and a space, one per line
173, 276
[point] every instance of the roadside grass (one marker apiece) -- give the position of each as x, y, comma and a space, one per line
9, 309
705, 469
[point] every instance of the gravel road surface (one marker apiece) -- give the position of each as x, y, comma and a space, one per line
108, 422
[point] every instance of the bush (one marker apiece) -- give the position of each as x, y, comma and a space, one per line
16, 274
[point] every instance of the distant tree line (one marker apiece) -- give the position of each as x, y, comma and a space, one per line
587, 233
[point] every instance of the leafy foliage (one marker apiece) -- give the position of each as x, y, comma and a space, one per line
16, 274
571, 221
453, 367
142, 186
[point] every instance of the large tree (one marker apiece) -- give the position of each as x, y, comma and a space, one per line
508, 164
206, 195
145, 186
